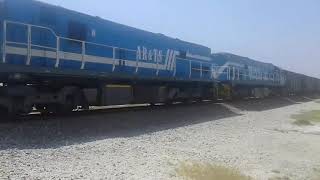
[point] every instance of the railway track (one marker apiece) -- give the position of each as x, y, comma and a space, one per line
95, 110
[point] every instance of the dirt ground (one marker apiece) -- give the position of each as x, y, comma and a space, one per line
257, 137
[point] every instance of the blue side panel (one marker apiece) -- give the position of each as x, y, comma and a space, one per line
95, 50
17, 33
224, 76
16, 59
43, 62
85, 28
183, 70
22, 11
195, 71
128, 70
99, 67
69, 64
206, 71
144, 72
166, 73
43, 37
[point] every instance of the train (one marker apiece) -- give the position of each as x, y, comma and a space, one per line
56, 60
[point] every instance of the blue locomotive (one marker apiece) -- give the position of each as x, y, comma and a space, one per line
54, 59
63, 39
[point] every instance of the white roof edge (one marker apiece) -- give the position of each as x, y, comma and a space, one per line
198, 57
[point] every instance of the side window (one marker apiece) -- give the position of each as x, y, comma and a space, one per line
183, 55
206, 70
77, 31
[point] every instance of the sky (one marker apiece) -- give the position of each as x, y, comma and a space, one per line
283, 32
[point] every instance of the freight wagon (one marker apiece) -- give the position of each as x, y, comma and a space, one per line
57, 60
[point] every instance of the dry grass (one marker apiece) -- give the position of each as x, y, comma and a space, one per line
279, 178
307, 118
197, 171
302, 122
316, 175
276, 171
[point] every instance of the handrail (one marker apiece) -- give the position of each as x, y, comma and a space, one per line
17, 43
69, 39
44, 47
29, 45
20, 23
4, 42
83, 48
216, 71
57, 53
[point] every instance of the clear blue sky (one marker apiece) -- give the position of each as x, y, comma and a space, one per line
283, 32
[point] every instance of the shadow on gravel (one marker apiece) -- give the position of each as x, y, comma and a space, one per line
314, 96
268, 103
302, 99
82, 127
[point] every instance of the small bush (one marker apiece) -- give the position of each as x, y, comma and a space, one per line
280, 178
316, 175
306, 118
302, 122
197, 171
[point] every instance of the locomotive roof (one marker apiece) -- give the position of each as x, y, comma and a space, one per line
241, 59
122, 26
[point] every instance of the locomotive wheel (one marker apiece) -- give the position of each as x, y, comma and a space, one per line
4, 114
15, 108
67, 107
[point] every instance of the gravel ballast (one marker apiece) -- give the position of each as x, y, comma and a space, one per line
255, 136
